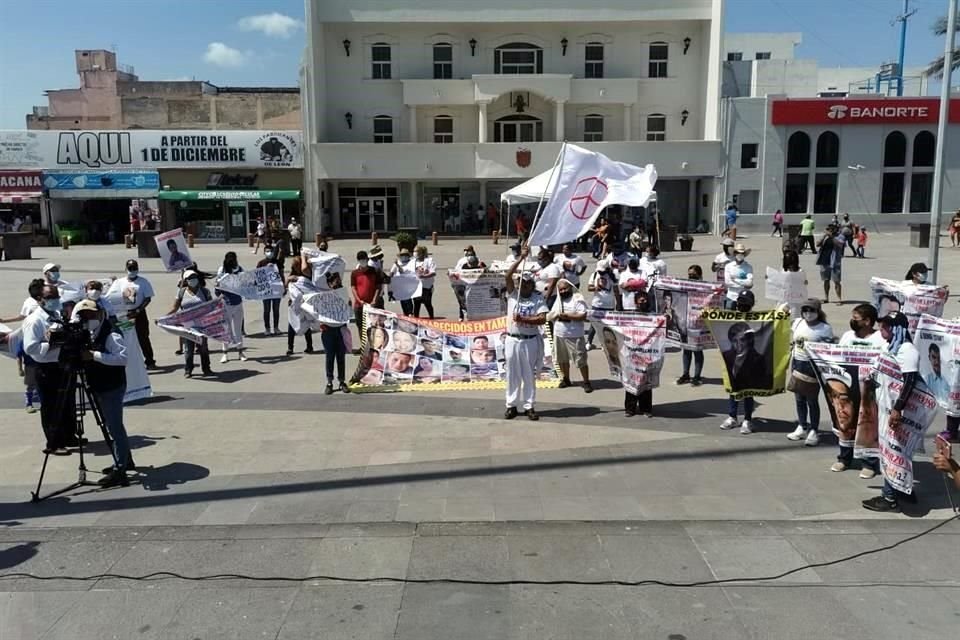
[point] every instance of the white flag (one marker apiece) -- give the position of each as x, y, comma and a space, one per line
588, 182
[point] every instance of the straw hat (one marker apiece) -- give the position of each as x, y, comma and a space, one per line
741, 248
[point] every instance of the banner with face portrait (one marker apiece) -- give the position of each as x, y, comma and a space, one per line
755, 347
898, 443
262, 283
938, 342
847, 377
633, 344
481, 292
401, 353
683, 302
205, 320
910, 299
325, 267
172, 247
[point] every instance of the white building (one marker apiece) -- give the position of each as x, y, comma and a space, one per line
417, 111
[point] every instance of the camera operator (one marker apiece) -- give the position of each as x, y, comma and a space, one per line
105, 364
57, 413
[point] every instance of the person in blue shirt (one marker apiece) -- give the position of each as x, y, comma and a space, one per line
730, 216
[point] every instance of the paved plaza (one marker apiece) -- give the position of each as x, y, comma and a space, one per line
256, 472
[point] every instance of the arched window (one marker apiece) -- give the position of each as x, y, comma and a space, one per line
442, 61
382, 129
443, 129
659, 54
895, 150
798, 150
924, 149
518, 128
593, 128
517, 58
828, 150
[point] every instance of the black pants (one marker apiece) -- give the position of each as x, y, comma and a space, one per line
953, 426
189, 347
638, 403
852, 246
777, 229
807, 240
426, 299
406, 306
308, 336
271, 304
846, 457
296, 245
58, 406
335, 352
142, 325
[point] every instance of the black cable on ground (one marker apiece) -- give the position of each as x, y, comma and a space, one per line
461, 581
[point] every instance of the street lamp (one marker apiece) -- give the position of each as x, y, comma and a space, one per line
563, 46
346, 46
683, 117
349, 118
686, 44
473, 46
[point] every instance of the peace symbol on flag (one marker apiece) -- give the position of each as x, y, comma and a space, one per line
586, 198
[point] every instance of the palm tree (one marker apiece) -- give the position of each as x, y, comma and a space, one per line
935, 68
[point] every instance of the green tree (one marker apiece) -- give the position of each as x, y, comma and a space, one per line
935, 68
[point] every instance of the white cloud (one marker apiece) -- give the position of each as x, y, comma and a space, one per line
275, 25
224, 56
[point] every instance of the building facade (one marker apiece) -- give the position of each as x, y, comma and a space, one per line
419, 113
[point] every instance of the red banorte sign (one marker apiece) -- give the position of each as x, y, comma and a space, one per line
844, 111
23, 182
587, 196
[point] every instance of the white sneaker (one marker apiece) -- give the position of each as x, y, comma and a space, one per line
243, 357
797, 434
223, 359
867, 473
746, 428
838, 466
813, 439
729, 423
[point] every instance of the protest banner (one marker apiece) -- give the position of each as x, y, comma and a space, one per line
172, 247
633, 344
323, 265
755, 347
401, 353
847, 376
899, 442
326, 307
138, 381
405, 285
938, 342
12, 341
205, 320
910, 299
262, 283
785, 286
481, 293
683, 302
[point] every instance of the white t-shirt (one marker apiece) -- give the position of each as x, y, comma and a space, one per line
850, 339
576, 267
525, 308
462, 263
722, 259
570, 328
737, 278
126, 294
627, 297
603, 290
545, 275
803, 332
652, 269
190, 299
294, 230
261, 228
908, 358
29, 306
426, 271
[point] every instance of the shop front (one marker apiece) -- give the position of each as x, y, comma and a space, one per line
228, 214
21, 193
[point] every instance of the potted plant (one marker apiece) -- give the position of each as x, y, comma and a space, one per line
405, 240
686, 242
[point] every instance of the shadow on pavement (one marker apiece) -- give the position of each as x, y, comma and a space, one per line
17, 554
175, 473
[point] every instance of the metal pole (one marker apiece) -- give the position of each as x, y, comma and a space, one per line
939, 168
903, 45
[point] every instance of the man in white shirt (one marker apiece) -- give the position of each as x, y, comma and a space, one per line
603, 286
573, 265
630, 282
427, 272
568, 315
131, 296
937, 384
723, 258
547, 274
468, 252
737, 275
526, 313
651, 266
296, 236
32, 302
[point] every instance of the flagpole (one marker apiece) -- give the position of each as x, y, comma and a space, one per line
536, 217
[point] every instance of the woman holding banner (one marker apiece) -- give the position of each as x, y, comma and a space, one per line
402, 275
193, 293
297, 286
811, 326
271, 305
233, 307
427, 272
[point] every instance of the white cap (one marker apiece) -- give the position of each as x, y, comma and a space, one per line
50, 266
190, 273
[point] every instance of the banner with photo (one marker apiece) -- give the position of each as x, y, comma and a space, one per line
138, 381
683, 302
910, 299
173, 250
206, 320
481, 293
756, 350
405, 285
633, 344
326, 307
785, 286
847, 377
401, 353
938, 342
324, 267
898, 444
261, 283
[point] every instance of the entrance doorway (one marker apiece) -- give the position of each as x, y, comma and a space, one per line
518, 128
372, 214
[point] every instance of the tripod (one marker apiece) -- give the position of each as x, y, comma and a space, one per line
76, 384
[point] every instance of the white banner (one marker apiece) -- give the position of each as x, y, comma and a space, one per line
138, 381
324, 264
12, 340
206, 320
481, 293
262, 283
326, 307
908, 298
173, 250
633, 344
938, 342
785, 286
405, 285
150, 149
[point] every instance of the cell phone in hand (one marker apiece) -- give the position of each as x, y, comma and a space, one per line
944, 447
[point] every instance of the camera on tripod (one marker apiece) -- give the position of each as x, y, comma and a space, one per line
73, 339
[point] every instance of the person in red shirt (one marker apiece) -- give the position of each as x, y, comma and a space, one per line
366, 287
521, 226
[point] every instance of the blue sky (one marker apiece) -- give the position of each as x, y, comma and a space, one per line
211, 40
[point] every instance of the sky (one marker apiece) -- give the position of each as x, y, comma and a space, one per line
260, 42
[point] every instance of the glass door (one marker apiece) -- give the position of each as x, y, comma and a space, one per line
254, 215
372, 214
379, 214
237, 212
274, 214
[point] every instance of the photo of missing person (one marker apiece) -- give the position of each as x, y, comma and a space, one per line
406, 325
841, 387
431, 349
456, 372
485, 371
375, 319
501, 342
399, 364
611, 347
378, 337
483, 357
673, 304
404, 342
174, 253
480, 343
427, 370
931, 370
887, 303
372, 377
457, 342
455, 356
747, 350
867, 441
431, 334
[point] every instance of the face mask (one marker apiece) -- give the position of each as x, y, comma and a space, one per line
53, 276
921, 278
93, 326
739, 258
363, 264
269, 255
651, 257
192, 283
692, 276
810, 316
52, 305
404, 259
854, 325
567, 295
133, 274
94, 294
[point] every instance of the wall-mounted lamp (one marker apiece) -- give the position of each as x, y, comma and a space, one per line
684, 165
427, 167
603, 92
363, 166
349, 118
563, 46
686, 44
683, 117
346, 46
473, 46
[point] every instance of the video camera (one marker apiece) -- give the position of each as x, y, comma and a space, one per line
73, 339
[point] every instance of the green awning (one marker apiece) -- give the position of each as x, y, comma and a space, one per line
222, 194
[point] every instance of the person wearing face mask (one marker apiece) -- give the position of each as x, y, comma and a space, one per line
233, 307
737, 275
630, 282
403, 267
192, 294
94, 292
651, 265
57, 413
568, 315
105, 365
723, 258
830, 249
603, 284
26, 367
298, 285
694, 272
271, 306
468, 252
745, 366
917, 273
523, 349
547, 275
572, 265
427, 272
133, 294
811, 326
366, 287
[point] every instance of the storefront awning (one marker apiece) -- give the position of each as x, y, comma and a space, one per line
219, 194
20, 198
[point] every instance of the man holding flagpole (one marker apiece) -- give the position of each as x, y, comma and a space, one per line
526, 313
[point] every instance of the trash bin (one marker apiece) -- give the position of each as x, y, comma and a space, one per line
686, 243
920, 235
146, 245
668, 237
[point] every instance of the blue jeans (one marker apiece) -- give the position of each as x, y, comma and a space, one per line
888, 491
805, 405
733, 405
335, 351
697, 358
189, 346
111, 408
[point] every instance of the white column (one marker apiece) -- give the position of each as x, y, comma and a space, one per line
560, 132
335, 213
482, 123
412, 115
412, 216
627, 121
